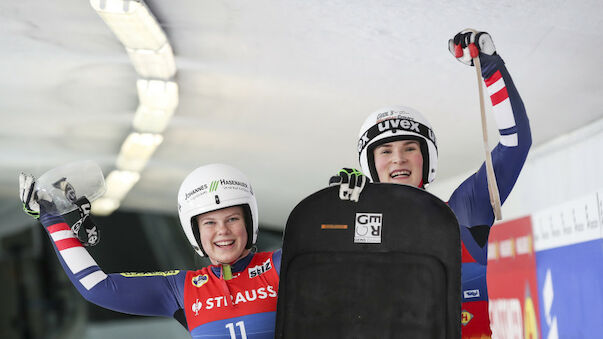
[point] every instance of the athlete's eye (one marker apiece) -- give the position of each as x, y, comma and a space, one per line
208, 223
233, 219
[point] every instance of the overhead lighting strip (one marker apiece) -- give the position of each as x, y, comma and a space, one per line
152, 57
136, 151
158, 101
158, 64
132, 22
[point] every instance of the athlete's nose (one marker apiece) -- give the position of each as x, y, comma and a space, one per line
221, 228
398, 156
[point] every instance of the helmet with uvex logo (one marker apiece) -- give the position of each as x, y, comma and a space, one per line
395, 123
210, 188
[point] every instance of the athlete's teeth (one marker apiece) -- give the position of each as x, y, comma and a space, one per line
398, 173
224, 243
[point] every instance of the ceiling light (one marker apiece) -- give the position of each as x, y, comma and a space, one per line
104, 206
151, 120
132, 23
136, 151
158, 94
150, 63
158, 100
119, 183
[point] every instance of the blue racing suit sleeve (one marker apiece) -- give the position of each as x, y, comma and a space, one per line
276, 259
155, 294
470, 201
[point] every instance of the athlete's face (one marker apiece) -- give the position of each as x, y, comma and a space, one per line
223, 234
399, 162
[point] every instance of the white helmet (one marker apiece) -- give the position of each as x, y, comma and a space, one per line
397, 123
213, 187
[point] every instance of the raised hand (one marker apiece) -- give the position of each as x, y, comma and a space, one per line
28, 196
351, 182
468, 44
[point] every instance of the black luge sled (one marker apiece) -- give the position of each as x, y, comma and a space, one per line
388, 266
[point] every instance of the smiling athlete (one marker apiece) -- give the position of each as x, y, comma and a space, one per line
397, 145
235, 297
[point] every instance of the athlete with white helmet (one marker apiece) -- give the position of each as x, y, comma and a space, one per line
397, 145
234, 297
389, 125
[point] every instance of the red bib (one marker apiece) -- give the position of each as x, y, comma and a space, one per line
254, 290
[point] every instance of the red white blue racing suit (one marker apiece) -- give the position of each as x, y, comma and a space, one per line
210, 306
245, 306
471, 203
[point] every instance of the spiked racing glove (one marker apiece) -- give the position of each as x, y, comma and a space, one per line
468, 44
351, 183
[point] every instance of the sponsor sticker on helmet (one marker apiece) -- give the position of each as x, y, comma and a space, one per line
228, 184
389, 114
225, 184
395, 126
368, 228
214, 185
197, 191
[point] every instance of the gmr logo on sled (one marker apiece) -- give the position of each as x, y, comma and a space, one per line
368, 228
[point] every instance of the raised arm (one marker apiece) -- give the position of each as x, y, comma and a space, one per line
157, 294
470, 201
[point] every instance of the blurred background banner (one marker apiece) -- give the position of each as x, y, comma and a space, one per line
545, 272
512, 284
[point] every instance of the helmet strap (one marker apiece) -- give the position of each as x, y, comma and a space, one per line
197, 235
248, 225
